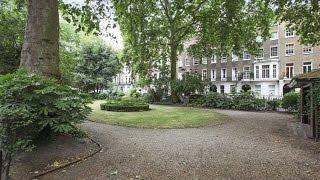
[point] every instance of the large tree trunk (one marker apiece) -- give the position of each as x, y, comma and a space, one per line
5, 169
173, 64
40, 51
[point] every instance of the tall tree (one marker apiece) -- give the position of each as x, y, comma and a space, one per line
164, 25
40, 52
303, 16
160, 25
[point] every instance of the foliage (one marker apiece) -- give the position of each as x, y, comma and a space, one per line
302, 16
163, 26
246, 101
290, 101
134, 93
273, 104
32, 106
11, 36
125, 104
218, 100
98, 65
189, 84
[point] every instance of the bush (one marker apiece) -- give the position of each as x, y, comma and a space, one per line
125, 104
101, 96
290, 101
32, 106
246, 101
273, 104
217, 100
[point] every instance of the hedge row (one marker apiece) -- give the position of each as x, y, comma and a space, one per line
124, 108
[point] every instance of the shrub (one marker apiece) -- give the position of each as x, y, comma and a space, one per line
101, 96
217, 100
33, 106
290, 101
273, 104
246, 101
125, 104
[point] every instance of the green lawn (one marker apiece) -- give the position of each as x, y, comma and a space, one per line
158, 117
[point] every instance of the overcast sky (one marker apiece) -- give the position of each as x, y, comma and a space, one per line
115, 43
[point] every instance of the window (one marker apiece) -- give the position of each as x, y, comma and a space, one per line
274, 35
233, 88
274, 71
246, 72
246, 55
307, 49
223, 74
213, 58
257, 72
289, 70
223, 58
213, 74
307, 66
195, 61
272, 89
204, 60
234, 57
257, 89
289, 49
289, 33
265, 71
234, 74
274, 51
187, 62
129, 80
204, 74
222, 89
260, 54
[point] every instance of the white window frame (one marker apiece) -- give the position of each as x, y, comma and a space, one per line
260, 57
271, 51
204, 72
272, 91
306, 66
234, 57
194, 62
286, 50
291, 71
213, 58
204, 60
265, 72
246, 73
234, 73
257, 72
274, 70
224, 58
213, 74
223, 74
246, 59
256, 89
286, 32
307, 49
276, 37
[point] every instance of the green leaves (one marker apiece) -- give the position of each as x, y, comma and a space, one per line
31, 104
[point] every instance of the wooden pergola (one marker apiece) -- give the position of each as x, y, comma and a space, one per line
309, 108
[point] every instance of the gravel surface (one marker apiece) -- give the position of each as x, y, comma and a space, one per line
251, 145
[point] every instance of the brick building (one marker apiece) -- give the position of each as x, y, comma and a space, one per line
280, 58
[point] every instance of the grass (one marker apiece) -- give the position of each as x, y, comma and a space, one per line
158, 117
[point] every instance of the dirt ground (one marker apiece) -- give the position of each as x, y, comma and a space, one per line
251, 145
47, 156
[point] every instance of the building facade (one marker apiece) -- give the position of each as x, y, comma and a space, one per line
123, 81
267, 74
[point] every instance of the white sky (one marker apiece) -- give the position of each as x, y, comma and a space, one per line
114, 43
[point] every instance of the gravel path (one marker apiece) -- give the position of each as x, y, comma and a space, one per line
251, 145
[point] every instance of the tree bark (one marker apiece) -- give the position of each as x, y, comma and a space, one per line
173, 70
5, 166
40, 51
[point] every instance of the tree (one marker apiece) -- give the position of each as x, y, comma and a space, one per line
97, 66
302, 16
157, 27
226, 27
40, 52
11, 36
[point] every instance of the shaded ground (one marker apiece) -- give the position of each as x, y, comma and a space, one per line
253, 145
50, 155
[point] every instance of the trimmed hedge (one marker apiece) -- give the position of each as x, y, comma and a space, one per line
124, 108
